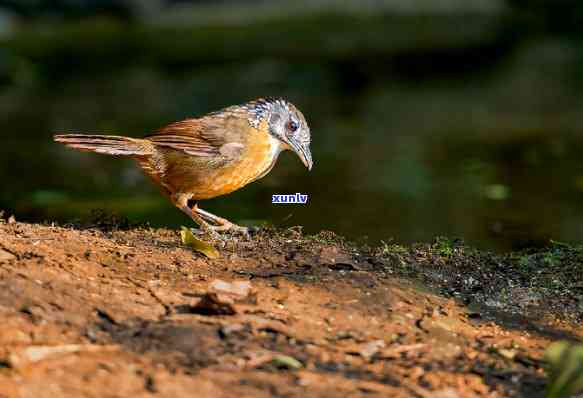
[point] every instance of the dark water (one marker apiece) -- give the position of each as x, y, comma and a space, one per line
480, 139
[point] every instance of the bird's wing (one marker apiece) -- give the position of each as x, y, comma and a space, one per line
196, 137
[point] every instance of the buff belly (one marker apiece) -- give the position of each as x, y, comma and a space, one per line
205, 178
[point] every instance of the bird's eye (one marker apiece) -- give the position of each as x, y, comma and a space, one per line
292, 126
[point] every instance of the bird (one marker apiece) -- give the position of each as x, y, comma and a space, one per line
212, 155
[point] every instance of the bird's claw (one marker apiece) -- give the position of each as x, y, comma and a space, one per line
232, 229
213, 235
214, 231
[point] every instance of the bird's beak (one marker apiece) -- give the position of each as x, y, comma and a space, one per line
303, 151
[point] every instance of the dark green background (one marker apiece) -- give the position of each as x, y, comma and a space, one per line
464, 120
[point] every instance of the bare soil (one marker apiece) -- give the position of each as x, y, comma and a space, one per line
99, 311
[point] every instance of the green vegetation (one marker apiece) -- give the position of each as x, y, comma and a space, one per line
565, 368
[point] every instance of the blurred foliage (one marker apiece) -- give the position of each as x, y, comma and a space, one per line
102, 45
424, 124
558, 16
565, 369
34, 9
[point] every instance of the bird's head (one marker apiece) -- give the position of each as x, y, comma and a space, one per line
288, 125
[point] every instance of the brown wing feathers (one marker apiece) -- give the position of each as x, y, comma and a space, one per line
190, 136
186, 144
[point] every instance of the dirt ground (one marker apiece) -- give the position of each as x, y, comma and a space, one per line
103, 311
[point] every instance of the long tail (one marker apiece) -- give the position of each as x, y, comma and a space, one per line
106, 144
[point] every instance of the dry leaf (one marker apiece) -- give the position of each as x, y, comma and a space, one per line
198, 245
285, 362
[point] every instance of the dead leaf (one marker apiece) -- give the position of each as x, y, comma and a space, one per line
285, 362
198, 245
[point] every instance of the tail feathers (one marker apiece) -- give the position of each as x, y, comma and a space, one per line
105, 144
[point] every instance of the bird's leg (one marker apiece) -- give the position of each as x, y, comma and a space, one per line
220, 224
202, 218
181, 201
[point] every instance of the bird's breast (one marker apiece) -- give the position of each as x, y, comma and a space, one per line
256, 159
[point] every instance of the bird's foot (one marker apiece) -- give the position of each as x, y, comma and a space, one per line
219, 224
209, 233
231, 228
214, 231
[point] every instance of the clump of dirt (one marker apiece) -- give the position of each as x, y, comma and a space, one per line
131, 312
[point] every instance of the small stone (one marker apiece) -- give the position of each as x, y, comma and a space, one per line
34, 354
506, 353
238, 289
372, 348
234, 329
214, 304
336, 259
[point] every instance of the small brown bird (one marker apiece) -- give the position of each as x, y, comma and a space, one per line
213, 155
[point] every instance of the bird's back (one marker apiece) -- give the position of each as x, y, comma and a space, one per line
210, 156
